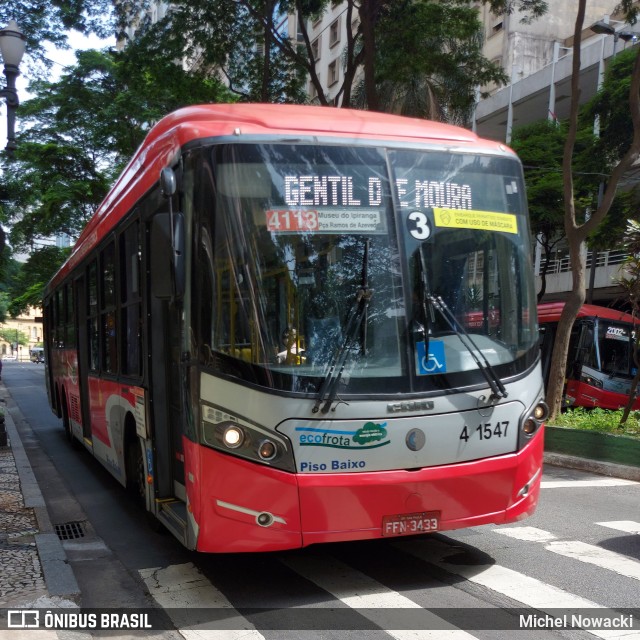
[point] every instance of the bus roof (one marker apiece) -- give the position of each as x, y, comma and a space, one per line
550, 312
164, 141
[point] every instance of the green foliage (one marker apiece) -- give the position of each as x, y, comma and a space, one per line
81, 131
27, 285
4, 306
429, 60
13, 335
237, 39
601, 420
417, 57
611, 105
49, 22
541, 146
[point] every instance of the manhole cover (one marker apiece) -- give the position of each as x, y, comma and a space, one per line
70, 530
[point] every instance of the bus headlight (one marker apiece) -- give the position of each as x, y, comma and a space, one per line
530, 424
267, 450
233, 436
541, 411
240, 438
592, 382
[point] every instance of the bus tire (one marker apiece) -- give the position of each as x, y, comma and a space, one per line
66, 422
136, 479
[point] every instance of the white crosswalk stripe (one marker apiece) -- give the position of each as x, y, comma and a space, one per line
627, 526
368, 596
589, 553
180, 587
581, 484
517, 586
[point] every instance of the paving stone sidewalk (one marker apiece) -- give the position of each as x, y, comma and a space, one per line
34, 571
21, 575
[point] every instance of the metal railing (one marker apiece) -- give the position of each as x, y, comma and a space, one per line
603, 259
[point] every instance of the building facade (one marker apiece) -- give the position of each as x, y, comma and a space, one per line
20, 335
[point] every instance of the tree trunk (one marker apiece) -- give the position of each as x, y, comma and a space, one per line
575, 238
575, 299
636, 379
368, 11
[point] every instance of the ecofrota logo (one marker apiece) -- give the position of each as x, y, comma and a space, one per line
369, 436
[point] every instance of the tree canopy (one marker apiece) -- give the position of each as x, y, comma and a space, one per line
419, 57
77, 134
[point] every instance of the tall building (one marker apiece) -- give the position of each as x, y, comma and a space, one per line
538, 58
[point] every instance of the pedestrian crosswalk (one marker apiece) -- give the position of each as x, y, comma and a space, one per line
379, 600
589, 553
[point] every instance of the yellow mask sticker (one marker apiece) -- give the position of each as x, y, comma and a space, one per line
471, 219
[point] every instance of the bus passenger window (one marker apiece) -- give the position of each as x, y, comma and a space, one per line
107, 311
130, 301
92, 317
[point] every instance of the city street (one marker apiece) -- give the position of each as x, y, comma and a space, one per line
581, 551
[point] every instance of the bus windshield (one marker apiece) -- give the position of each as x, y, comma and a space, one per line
315, 258
615, 348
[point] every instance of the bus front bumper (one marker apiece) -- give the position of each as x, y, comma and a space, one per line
245, 507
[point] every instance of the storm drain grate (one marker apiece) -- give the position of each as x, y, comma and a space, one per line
70, 530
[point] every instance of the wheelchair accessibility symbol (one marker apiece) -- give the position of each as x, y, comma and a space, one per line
434, 361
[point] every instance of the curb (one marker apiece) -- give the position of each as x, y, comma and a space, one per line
595, 466
59, 578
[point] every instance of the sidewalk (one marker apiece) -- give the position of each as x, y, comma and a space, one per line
34, 571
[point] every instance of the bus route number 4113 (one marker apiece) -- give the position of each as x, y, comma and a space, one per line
406, 524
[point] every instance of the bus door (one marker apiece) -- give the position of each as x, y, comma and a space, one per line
80, 293
581, 349
546, 340
167, 384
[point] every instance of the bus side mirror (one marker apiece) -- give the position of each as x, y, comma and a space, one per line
167, 256
168, 183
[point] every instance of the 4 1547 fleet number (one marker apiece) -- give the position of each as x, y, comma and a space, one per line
485, 431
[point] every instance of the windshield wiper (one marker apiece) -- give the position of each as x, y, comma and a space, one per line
357, 314
497, 388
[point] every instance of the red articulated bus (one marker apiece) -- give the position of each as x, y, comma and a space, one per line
261, 330
600, 363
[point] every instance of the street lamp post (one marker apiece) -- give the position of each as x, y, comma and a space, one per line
551, 111
12, 47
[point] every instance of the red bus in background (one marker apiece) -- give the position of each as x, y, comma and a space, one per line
261, 330
600, 364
